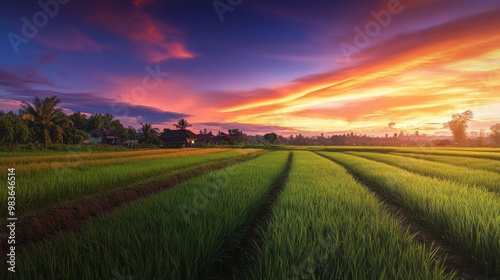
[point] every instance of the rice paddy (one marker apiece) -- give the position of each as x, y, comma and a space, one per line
336, 213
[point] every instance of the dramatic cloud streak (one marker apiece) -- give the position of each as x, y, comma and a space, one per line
267, 67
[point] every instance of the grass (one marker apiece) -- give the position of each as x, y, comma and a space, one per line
466, 217
34, 168
177, 234
473, 163
81, 156
327, 226
479, 153
40, 191
480, 178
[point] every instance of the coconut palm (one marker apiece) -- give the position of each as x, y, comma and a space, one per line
182, 124
46, 118
148, 131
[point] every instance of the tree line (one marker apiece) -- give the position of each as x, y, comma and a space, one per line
42, 123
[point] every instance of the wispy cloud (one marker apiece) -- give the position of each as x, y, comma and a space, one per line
69, 40
154, 41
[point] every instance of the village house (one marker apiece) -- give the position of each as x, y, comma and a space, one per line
104, 136
178, 138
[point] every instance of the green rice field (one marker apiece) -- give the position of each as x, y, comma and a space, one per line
221, 213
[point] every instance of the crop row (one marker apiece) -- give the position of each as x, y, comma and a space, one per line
451, 152
480, 178
469, 218
77, 156
473, 163
59, 186
37, 167
178, 234
327, 226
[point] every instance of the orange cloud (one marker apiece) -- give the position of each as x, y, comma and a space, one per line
412, 79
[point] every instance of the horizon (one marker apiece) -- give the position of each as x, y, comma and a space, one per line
368, 67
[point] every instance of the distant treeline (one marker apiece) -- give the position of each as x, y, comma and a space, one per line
42, 123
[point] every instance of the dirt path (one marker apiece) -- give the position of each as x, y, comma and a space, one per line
453, 260
55, 221
239, 255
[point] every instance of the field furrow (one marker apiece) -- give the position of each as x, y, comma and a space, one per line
72, 217
472, 177
468, 218
30, 169
177, 234
65, 185
327, 226
240, 252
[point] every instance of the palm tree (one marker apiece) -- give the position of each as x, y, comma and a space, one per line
148, 131
46, 118
182, 124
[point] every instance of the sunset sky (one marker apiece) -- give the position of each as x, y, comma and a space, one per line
267, 66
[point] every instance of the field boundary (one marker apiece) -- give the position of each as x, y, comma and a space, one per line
452, 260
241, 250
73, 217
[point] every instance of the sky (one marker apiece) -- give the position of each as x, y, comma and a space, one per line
367, 66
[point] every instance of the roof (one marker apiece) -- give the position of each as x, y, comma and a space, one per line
177, 134
204, 137
105, 132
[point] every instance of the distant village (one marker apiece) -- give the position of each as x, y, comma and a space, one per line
42, 123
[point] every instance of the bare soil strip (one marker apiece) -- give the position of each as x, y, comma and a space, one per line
241, 250
446, 254
74, 217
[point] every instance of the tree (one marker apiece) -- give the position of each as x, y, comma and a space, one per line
13, 130
148, 132
240, 136
458, 126
271, 137
79, 120
495, 134
130, 133
46, 118
182, 124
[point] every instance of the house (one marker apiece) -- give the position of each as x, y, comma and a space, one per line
130, 143
104, 136
178, 138
204, 138
221, 138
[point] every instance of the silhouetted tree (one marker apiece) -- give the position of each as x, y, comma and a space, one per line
182, 124
495, 134
13, 130
238, 133
270, 137
47, 119
79, 120
148, 131
458, 126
